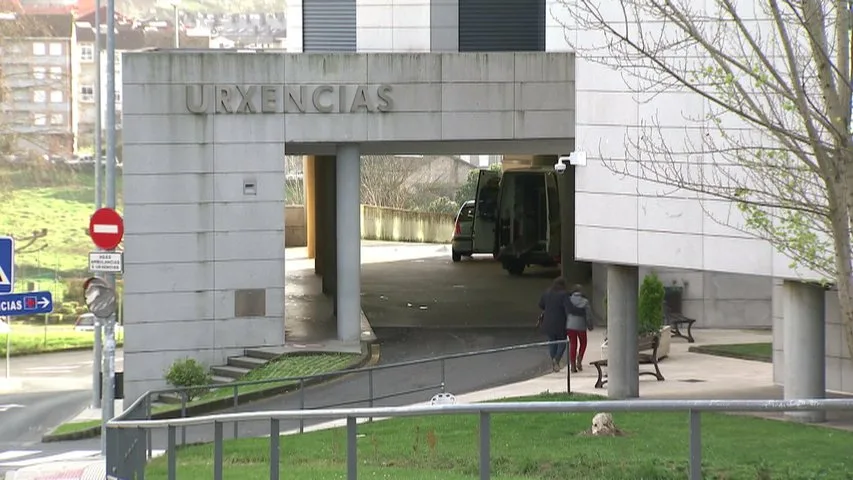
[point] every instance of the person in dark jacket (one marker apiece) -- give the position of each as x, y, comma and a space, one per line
553, 319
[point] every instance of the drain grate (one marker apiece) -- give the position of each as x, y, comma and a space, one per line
692, 380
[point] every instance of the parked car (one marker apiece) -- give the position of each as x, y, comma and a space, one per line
85, 323
463, 244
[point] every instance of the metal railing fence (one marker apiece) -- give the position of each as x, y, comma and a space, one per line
694, 408
128, 445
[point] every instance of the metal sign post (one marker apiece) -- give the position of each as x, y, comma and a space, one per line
97, 353
101, 301
6, 328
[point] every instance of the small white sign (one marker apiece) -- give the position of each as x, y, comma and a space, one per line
107, 262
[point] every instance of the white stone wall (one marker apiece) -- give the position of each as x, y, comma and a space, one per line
393, 25
632, 221
721, 300
713, 299
293, 16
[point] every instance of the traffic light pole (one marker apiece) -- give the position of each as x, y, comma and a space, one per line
108, 403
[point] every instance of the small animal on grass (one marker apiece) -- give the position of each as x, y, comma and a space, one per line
603, 426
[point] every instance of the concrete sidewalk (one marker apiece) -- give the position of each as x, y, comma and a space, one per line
688, 376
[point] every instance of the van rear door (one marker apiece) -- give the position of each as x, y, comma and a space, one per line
485, 211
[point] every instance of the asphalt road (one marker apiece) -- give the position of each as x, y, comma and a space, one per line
437, 293
462, 376
51, 388
54, 372
25, 417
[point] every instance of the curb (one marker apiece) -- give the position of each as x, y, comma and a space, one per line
62, 350
736, 356
369, 357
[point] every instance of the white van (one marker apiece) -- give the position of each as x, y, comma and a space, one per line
517, 217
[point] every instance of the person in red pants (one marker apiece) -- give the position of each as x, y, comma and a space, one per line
579, 320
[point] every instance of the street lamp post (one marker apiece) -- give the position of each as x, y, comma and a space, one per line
175, 5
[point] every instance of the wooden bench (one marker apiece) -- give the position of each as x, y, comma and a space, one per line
676, 321
643, 344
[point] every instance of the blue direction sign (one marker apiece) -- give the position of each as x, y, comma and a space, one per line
7, 264
30, 303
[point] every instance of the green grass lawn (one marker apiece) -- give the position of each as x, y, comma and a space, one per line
72, 427
58, 199
30, 339
289, 366
540, 446
286, 367
761, 352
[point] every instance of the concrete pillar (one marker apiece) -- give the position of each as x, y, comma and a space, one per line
348, 240
330, 234
805, 355
320, 198
309, 182
622, 367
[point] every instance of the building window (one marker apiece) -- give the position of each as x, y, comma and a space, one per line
39, 119
87, 94
39, 96
56, 49
39, 49
39, 73
87, 52
56, 96
57, 119
55, 73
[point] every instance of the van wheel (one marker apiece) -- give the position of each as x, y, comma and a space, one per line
515, 268
456, 256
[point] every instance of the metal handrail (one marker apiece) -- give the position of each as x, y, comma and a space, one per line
151, 394
502, 407
484, 410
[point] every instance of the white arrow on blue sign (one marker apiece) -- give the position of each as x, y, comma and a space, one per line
7, 265
31, 303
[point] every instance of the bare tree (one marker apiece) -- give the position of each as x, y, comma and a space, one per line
388, 180
30, 243
294, 187
779, 68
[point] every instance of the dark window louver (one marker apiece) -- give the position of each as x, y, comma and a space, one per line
501, 25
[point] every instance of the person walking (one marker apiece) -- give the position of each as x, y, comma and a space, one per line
552, 320
579, 320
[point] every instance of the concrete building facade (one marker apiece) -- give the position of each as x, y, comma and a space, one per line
204, 145
192, 208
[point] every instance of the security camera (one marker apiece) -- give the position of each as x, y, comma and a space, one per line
560, 166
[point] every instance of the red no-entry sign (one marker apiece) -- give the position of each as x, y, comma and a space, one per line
106, 228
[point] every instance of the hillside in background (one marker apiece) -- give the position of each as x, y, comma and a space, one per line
163, 9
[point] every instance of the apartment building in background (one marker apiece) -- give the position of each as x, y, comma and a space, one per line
39, 79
